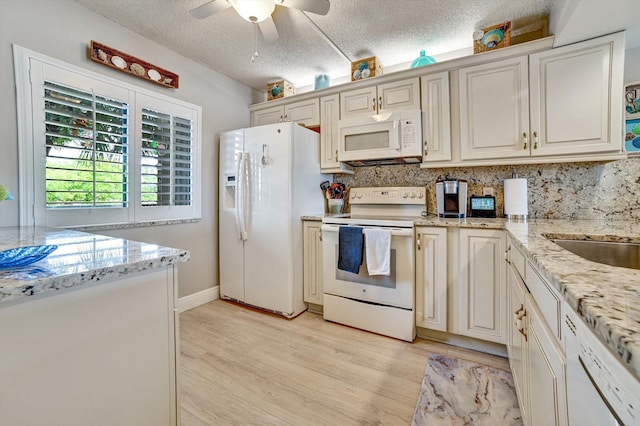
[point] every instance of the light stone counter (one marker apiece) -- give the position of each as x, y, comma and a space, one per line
606, 297
80, 258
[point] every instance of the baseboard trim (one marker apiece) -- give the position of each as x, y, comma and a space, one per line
200, 298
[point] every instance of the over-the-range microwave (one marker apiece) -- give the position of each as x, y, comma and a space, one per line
386, 138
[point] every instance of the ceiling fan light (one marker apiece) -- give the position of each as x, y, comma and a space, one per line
254, 10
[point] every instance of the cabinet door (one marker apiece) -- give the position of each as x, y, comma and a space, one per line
303, 112
358, 103
436, 121
547, 383
516, 343
482, 285
431, 278
269, 115
575, 98
312, 262
399, 95
494, 110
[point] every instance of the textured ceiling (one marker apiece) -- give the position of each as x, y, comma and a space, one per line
394, 31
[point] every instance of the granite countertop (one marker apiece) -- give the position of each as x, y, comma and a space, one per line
606, 297
80, 258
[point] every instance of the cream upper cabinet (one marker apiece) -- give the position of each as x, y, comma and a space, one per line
303, 112
494, 109
481, 305
269, 115
563, 102
329, 116
436, 121
404, 94
575, 97
431, 277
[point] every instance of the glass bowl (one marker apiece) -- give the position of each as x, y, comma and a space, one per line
22, 256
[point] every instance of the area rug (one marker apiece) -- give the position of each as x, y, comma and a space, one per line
458, 392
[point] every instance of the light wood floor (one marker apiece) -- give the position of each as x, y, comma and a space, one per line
244, 367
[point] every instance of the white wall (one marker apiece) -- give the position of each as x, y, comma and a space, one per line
632, 65
62, 29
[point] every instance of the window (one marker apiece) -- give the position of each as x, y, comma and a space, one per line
96, 151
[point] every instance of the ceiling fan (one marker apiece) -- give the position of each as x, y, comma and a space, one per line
259, 11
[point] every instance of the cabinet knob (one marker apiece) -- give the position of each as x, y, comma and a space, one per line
380, 103
418, 243
535, 140
524, 140
373, 103
426, 148
281, 118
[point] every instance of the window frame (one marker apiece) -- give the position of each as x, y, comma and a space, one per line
32, 203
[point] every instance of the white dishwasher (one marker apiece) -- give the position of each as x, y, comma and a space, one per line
601, 391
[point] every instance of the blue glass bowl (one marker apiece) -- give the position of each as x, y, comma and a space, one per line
22, 256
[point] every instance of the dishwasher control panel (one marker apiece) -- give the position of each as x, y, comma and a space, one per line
615, 383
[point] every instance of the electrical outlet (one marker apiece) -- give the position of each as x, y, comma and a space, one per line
487, 190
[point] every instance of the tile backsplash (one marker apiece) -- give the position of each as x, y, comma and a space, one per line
564, 190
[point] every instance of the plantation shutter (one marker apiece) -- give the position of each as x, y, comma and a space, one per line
166, 159
98, 151
86, 137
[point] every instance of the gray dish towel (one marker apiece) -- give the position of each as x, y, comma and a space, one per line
350, 248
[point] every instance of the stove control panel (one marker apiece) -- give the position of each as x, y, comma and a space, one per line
416, 195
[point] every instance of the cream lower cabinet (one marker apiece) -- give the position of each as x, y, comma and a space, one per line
461, 281
536, 358
547, 384
431, 277
312, 261
481, 285
97, 354
517, 340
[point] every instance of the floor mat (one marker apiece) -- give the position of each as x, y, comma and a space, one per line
459, 392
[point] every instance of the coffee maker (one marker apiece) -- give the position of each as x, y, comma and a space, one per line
451, 198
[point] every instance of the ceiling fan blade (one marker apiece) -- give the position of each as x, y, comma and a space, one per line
320, 7
268, 30
210, 8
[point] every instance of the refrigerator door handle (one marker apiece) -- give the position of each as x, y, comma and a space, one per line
245, 196
239, 202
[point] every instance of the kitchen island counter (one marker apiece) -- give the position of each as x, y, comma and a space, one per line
81, 258
89, 334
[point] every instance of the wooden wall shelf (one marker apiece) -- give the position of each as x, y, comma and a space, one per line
123, 62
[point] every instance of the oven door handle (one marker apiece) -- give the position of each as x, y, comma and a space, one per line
395, 232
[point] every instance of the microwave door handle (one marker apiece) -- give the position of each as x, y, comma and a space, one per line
398, 129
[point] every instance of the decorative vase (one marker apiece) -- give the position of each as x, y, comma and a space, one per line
423, 60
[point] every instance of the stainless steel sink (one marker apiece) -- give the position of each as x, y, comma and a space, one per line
626, 255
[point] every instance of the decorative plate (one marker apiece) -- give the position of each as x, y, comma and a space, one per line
118, 62
154, 75
22, 256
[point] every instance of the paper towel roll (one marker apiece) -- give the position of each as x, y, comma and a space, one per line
516, 204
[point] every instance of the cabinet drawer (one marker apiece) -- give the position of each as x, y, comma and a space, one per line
546, 298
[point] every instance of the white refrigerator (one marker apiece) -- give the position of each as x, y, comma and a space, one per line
269, 177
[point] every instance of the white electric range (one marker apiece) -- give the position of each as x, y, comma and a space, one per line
383, 304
